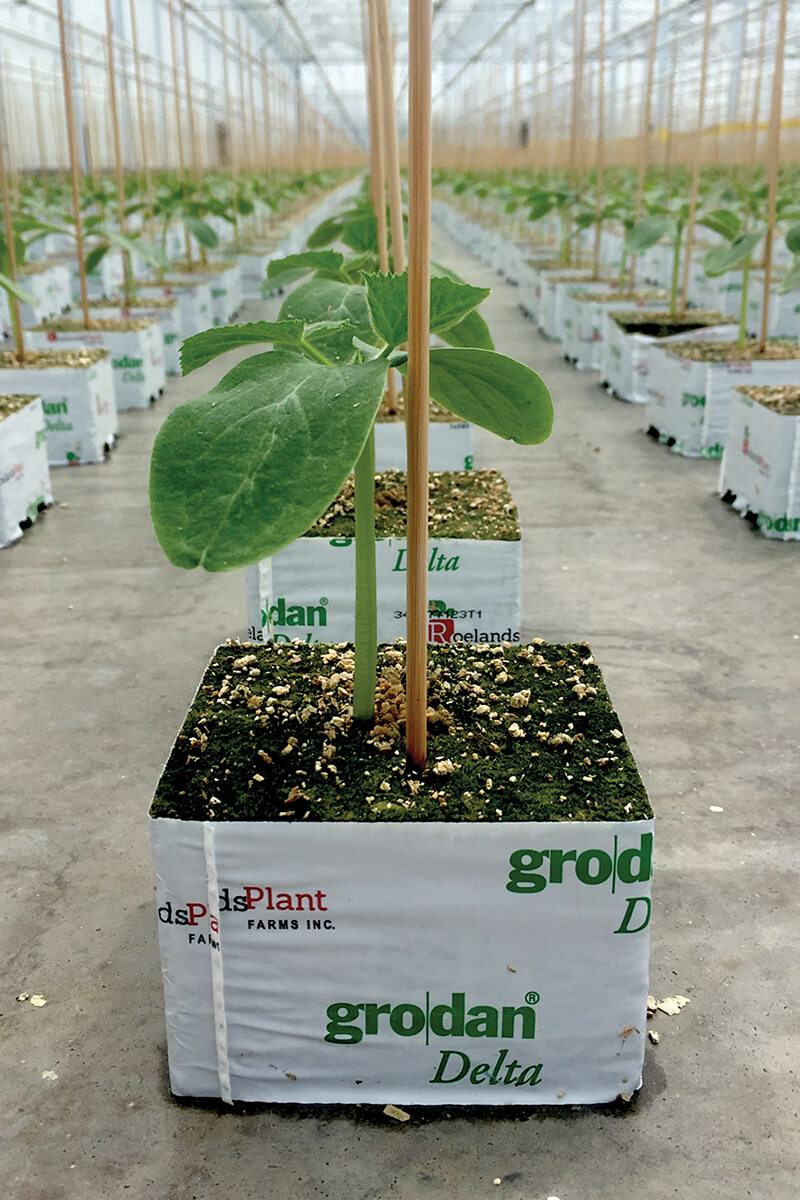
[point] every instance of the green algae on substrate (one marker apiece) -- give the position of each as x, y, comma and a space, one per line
515, 733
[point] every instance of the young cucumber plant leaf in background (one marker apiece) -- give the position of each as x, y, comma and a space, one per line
791, 279
736, 253
239, 473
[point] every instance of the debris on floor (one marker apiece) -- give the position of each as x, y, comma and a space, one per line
398, 1114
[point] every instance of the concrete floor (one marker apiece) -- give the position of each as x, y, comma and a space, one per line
694, 621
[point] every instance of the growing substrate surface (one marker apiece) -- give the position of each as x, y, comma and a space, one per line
34, 360
776, 350
783, 399
664, 324
461, 504
11, 404
516, 733
110, 324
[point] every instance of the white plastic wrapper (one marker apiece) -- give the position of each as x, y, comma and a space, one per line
450, 446
761, 466
585, 342
79, 410
784, 310
411, 963
136, 356
226, 294
51, 290
194, 301
545, 295
690, 401
24, 471
253, 272
170, 321
307, 591
626, 356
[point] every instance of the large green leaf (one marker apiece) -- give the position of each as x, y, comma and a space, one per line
202, 232
239, 473
648, 231
793, 239
327, 300
9, 285
95, 257
199, 349
495, 392
722, 221
307, 260
325, 233
720, 259
282, 281
540, 206
387, 296
791, 279
472, 331
361, 233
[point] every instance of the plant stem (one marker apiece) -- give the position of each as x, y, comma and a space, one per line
676, 263
742, 339
622, 269
366, 615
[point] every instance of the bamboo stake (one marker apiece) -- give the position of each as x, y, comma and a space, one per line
265, 105
242, 103
13, 303
696, 163
90, 134
41, 134
773, 151
252, 124
753, 155
176, 88
232, 151
644, 141
419, 252
389, 139
112, 103
195, 163
69, 114
601, 121
144, 150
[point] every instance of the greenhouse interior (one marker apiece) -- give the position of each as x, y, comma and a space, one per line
399, 512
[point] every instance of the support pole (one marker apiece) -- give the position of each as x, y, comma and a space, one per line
419, 251
696, 162
773, 151
72, 149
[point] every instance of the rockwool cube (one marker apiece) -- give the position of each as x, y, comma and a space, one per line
416, 963
24, 471
307, 591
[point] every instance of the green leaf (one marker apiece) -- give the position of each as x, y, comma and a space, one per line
239, 473
540, 206
202, 232
452, 301
791, 279
282, 281
722, 221
307, 260
495, 392
647, 232
325, 233
327, 300
94, 258
9, 285
472, 331
199, 349
387, 296
793, 239
720, 259
144, 250
361, 233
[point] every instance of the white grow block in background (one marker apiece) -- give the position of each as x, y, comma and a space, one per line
450, 446
166, 316
194, 301
137, 358
253, 271
226, 294
307, 591
761, 466
78, 404
24, 471
625, 366
688, 402
347, 962
585, 344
